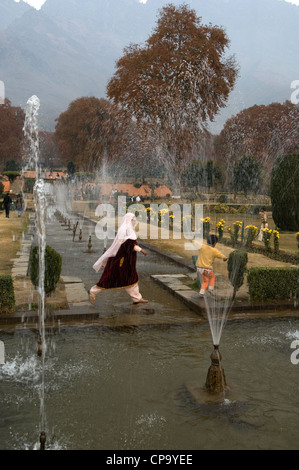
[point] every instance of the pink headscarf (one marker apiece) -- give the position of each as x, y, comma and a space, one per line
125, 232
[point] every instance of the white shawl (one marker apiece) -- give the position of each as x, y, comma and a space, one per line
125, 232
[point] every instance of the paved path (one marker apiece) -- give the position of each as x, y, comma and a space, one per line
72, 293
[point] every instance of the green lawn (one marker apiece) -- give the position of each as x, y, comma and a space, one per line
287, 240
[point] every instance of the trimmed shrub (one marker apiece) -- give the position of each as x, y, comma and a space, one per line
284, 192
7, 296
223, 199
29, 185
53, 263
236, 265
273, 283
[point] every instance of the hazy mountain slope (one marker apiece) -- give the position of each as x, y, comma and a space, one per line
69, 48
10, 11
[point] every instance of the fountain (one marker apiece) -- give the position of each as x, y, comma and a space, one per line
89, 246
75, 230
2, 353
215, 382
215, 388
31, 133
217, 312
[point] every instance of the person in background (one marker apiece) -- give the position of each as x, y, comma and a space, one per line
206, 255
7, 203
264, 223
20, 205
264, 218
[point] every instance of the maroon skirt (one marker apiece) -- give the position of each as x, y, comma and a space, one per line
120, 270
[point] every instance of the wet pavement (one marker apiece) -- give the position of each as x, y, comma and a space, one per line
113, 308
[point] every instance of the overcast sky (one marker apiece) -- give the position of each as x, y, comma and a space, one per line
38, 3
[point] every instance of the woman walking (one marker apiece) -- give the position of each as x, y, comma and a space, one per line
119, 263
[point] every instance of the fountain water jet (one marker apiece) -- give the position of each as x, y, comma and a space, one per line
31, 132
215, 388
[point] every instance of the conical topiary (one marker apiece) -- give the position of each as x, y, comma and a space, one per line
284, 192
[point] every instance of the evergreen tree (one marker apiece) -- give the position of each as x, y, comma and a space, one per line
284, 192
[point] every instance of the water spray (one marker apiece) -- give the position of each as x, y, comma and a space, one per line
31, 132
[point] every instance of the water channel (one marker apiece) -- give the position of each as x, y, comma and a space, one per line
125, 388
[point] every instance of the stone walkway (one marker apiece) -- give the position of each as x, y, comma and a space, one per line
70, 300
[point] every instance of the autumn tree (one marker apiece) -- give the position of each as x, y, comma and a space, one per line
87, 132
11, 133
261, 131
49, 152
174, 83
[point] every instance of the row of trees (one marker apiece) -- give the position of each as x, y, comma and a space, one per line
160, 100
262, 132
11, 132
12, 140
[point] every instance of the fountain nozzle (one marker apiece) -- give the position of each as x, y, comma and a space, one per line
40, 348
215, 382
42, 440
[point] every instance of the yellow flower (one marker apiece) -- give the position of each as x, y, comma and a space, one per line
275, 233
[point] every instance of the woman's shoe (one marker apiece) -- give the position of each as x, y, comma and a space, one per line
92, 298
141, 301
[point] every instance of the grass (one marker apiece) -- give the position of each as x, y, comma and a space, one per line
11, 231
287, 240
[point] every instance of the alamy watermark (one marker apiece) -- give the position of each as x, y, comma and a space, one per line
295, 354
295, 94
156, 221
2, 92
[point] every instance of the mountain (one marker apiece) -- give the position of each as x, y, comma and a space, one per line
69, 48
10, 11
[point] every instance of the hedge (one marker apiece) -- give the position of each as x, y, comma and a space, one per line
53, 263
273, 283
7, 296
